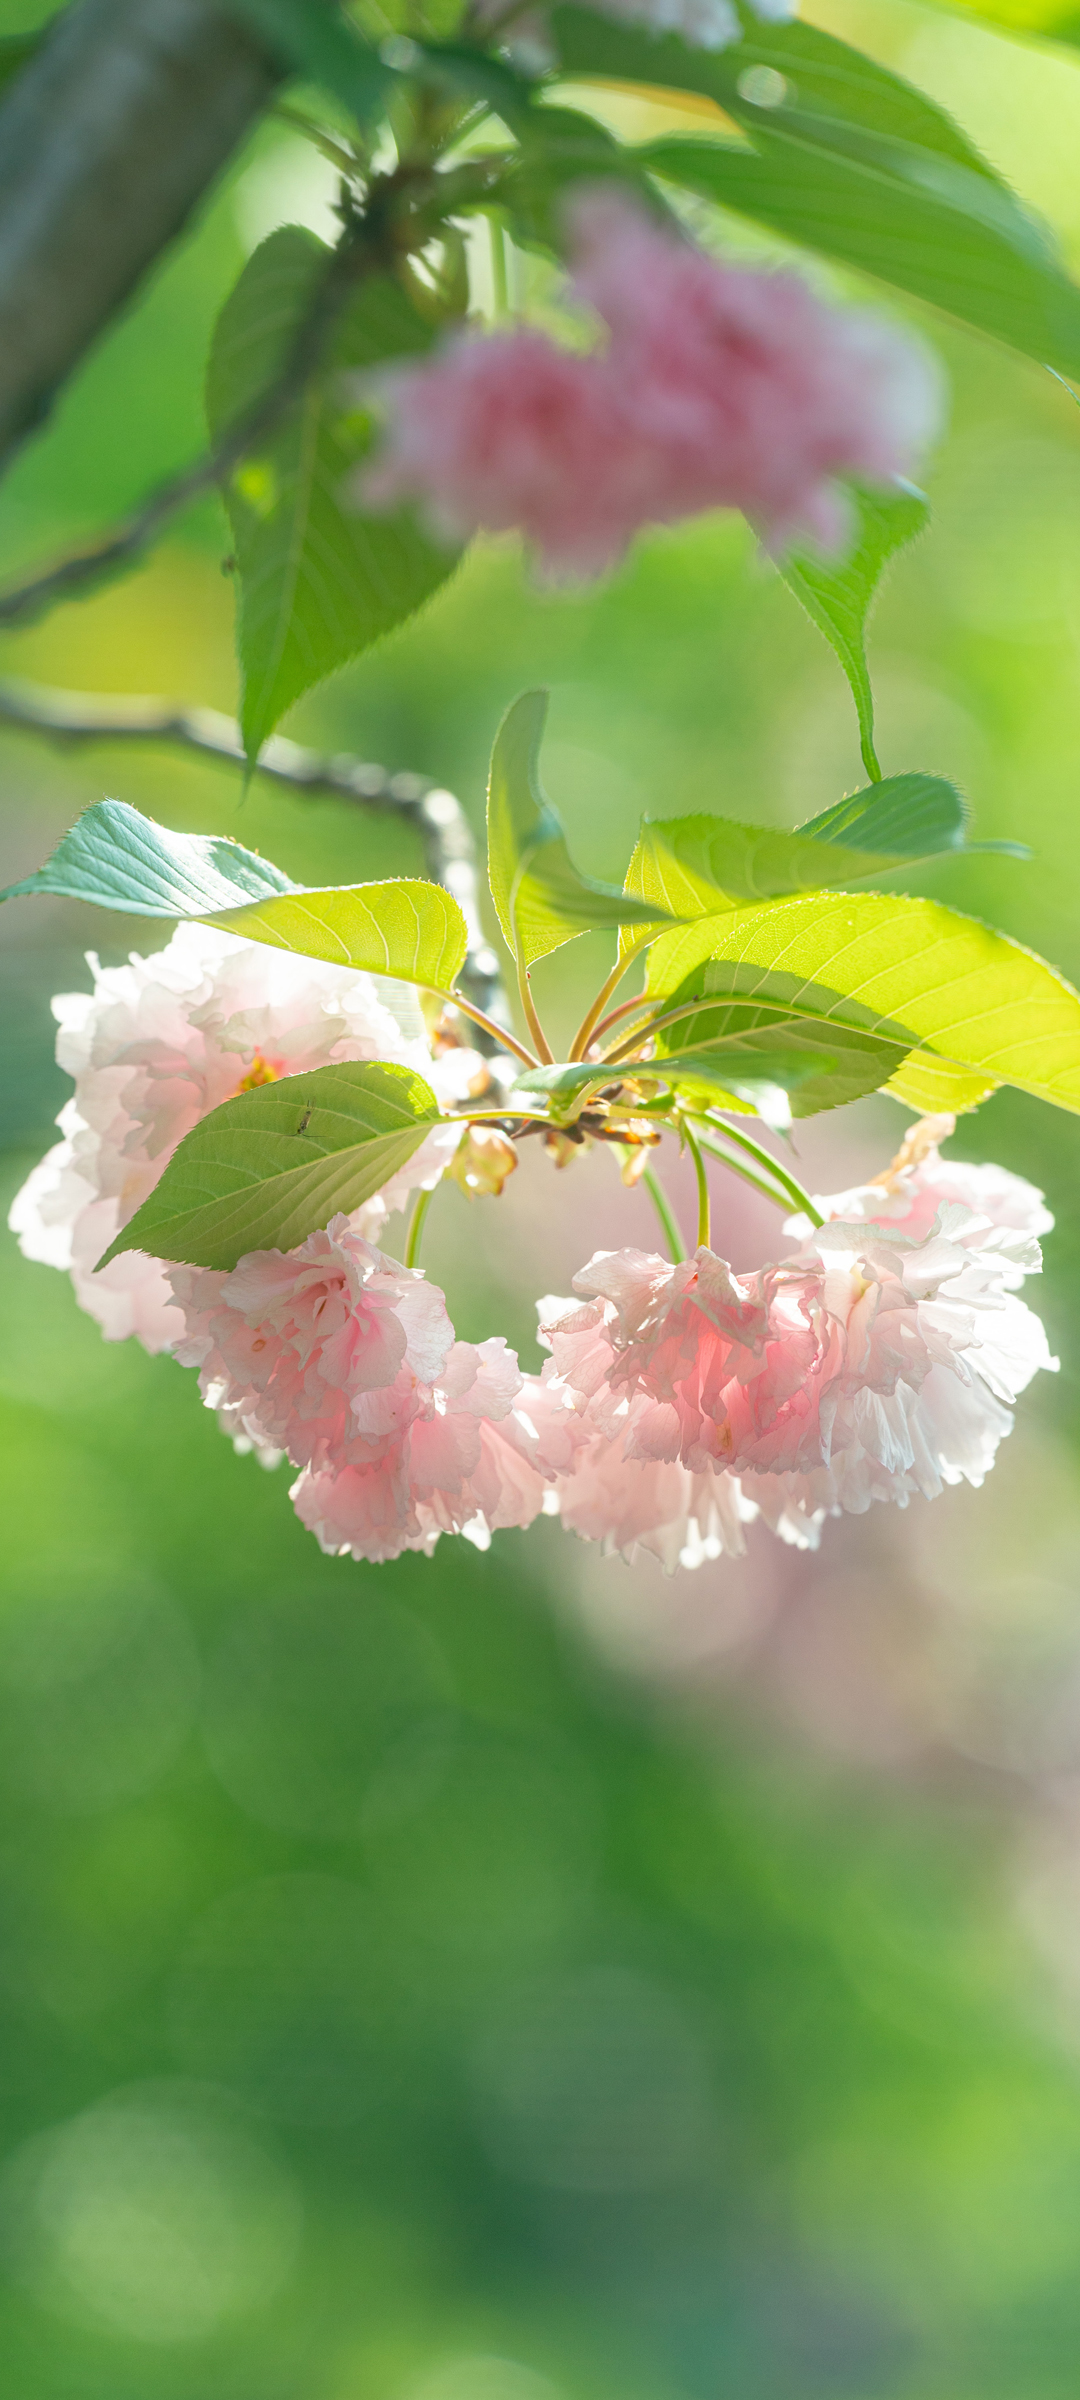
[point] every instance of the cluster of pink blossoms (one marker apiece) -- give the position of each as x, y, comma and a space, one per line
347, 1363
156, 1045
716, 388
878, 1360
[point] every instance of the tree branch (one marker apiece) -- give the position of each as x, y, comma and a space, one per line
359, 250
109, 137
434, 815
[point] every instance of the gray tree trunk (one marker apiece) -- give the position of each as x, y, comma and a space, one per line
108, 139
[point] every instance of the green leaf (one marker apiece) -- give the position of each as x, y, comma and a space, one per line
939, 231
697, 866
822, 78
540, 898
821, 1065
266, 1169
319, 580
901, 816
120, 859
976, 1008
839, 596
324, 47
851, 160
407, 928
16, 50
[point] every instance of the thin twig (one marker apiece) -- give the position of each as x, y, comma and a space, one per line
360, 249
435, 815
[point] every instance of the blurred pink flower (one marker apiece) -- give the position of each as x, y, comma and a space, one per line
919, 1181
717, 388
156, 1045
508, 430
869, 1366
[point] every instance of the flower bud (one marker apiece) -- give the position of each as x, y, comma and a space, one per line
482, 1161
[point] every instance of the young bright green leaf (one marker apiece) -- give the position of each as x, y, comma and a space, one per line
319, 580
120, 859
931, 228
405, 927
700, 865
900, 817
540, 898
266, 1169
696, 866
839, 597
977, 1008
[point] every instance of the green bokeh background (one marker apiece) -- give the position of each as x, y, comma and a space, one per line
516, 1977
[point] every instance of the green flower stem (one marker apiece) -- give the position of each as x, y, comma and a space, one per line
788, 1183
416, 1225
790, 1193
704, 1222
652, 1184
666, 1214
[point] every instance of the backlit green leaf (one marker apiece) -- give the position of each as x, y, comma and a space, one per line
936, 230
977, 1008
700, 865
839, 597
821, 78
266, 1169
541, 899
120, 859
405, 927
319, 580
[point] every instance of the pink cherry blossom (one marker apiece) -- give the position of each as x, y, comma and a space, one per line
919, 1181
606, 1492
508, 430
750, 391
156, 1045
717, 387
321, 1352
869, 1366
460, 1465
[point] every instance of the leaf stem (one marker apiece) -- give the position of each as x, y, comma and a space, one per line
500, 280
505, 1040
704, 1225
545, 1053
416, 1225
590, 1023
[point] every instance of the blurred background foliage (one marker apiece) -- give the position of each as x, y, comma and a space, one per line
515, 1977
